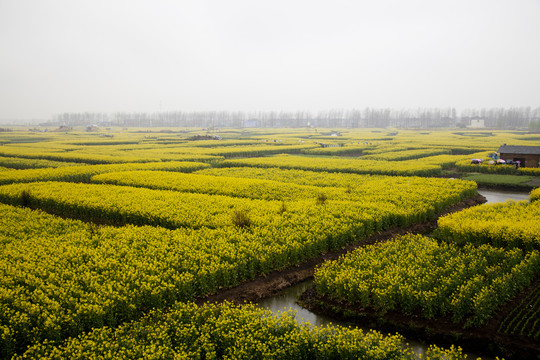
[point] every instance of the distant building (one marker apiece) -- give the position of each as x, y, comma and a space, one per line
251, 123
529, 156
477, 123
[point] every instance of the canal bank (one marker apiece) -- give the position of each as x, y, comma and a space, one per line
418, 333
273, 283
279, 291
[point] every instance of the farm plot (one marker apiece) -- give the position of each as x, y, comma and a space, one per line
21, 163
407, 154
367, 186
218, 185
63, 277
335, 164
84, 173
510, 224
466, 166
291, 185
231, 332
178, 236
102, 155
416, 274
140, 206
524, 319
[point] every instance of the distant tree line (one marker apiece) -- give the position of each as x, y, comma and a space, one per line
500, 118
534, 125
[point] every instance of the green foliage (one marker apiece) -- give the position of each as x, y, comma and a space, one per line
466, 166
283, 208
534, 125
241, 219
496, 179
321, 199
25, 198
524, 319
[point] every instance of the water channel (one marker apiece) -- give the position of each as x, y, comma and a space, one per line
287, 298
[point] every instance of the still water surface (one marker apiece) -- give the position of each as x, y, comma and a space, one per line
287, 298
493, 196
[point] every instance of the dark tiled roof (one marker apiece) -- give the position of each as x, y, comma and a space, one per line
515, 149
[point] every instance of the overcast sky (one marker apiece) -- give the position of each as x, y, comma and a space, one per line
137, 55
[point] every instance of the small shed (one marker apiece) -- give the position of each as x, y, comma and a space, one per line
529, 156
477, 123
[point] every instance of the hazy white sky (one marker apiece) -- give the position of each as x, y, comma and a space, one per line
143, 55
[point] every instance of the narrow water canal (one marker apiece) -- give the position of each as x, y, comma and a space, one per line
287, 298
493, 196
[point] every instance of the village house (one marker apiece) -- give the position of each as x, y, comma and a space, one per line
529, 156
477, 123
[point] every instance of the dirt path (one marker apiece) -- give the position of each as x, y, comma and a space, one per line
271, 284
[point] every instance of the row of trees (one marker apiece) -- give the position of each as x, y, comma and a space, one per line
534, 125
502, 118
